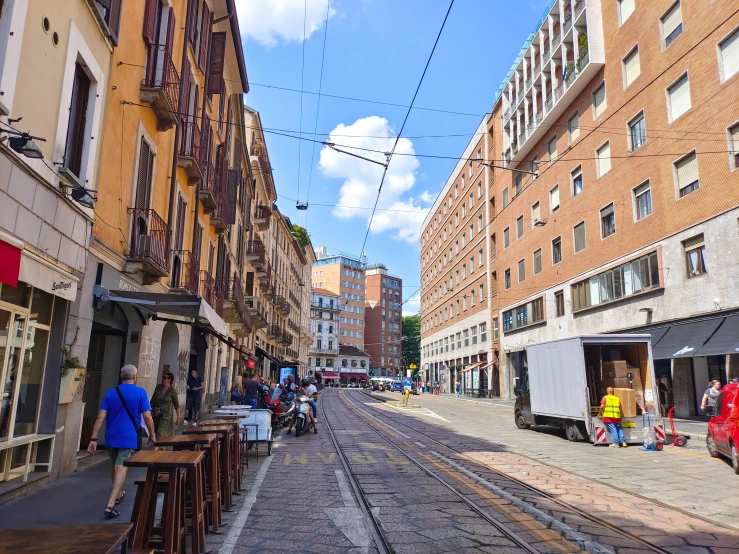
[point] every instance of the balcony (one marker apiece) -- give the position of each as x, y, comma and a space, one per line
161, 88
568, 22
579, 7
261, 217
326, 307
149, 251
185, 272
234, 307
274, 332
294, 300
207, 287
218, 215
206, 190
257, 312
255, 251
323, 351
193, 155
263, 272
286, 338
258, 152
282, 305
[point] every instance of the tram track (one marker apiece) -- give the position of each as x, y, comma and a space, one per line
578, 537
381, 540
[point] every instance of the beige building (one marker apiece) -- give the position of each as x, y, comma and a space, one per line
343, 274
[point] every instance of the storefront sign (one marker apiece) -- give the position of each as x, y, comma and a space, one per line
251, 364
46, 276
10, 263
115, 280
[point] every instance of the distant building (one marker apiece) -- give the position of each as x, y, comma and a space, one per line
354, 364
324, 327
343, 274
382, 321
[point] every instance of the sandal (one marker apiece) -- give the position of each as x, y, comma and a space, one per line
120, 498
111, 513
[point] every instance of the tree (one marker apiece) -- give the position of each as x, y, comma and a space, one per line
302, 235
412, 340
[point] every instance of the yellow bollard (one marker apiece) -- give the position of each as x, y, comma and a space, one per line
406, 396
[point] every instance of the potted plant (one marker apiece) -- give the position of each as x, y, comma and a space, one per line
71, 377
583, 44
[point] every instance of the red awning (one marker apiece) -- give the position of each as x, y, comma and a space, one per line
329, 375
10, 263
360, 376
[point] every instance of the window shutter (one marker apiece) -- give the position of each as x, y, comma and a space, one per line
184, 107
599, 100
204, 37
170, 32
632, 67
179, 236
233, 181
249, 284
197, 244
730, 55
579, 237
671, 20
114, 20
247, 213
146, 165
679, 98
687, 170
238, 152
693, 242
150, 21
215, 65
192, 9
604, 159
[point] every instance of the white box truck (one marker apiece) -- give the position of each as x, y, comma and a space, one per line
560, 383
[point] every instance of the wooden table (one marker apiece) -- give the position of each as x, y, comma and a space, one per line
179, 466
208, 442
235, 457
76, 539
226, 438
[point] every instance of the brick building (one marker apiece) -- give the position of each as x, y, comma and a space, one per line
383, 320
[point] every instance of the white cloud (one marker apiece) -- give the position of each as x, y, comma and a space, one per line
427, 197
271, 21
412, 306
362, 178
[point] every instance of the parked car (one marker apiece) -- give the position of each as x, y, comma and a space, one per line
723, 428
397, 386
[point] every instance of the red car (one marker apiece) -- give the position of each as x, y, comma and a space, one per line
723, 428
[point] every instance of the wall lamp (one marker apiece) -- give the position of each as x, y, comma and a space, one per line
22, 143
81, 195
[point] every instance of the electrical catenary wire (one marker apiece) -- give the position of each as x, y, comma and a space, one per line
302, 81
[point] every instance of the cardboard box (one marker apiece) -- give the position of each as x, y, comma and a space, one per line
628, 401
617, 368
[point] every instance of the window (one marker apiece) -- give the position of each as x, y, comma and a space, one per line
76, 139
603, 159
678, 98
579, 232
471, 201
631, 67
535, 213
643, 201
537, 261
734, 146
695, 256
507, 278
459, 341
472, 265
472, 298
466, 335
637, 132
535, 167
599, 100
496, 330
686, 173
463, 182
457, 276
729, 56
521, 271
479, 189
479, 257
552, 149
559, 300
505, 197
519, 227
624, 280
464, 240
483, 332
554, 199
464, 304
482, 293
526, 314
576, 177
472, 230
456, 247
506, 237
517, 183
556, 250
671, 24
625, 9
456, 191
458, 307
607, 221
479, 223
573, 126
464, 211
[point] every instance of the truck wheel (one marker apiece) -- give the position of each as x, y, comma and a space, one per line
711, 446
572, 432
521, 421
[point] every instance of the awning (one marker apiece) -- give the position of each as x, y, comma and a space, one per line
265, 354
329, 375
657, 334
470, 367
11, 250
724, 341
46, 276
684, 340
183, 305
360, 376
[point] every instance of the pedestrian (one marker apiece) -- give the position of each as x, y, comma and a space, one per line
195, 388
428, 386
662, 390
457, 388
237, 392
123, 408
708, 404
611, 411
165, 406
251, 391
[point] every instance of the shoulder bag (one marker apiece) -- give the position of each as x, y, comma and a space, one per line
140, 431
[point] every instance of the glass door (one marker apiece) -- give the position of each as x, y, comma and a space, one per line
15, 334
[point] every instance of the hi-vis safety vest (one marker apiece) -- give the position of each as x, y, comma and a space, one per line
612, 409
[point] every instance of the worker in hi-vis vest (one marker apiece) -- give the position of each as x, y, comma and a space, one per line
611, 410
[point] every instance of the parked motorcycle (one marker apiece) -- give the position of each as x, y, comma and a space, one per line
302, 415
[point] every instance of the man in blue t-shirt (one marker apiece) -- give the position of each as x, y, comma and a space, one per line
195, 388
121, 434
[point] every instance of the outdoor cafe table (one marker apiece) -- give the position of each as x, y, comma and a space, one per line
73, 539
227, 439
173, 464
207, 424
209, 441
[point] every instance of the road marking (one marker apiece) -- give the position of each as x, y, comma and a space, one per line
346, 493
543, 517
327, 459
420, 444
251, 498
363, 459
301, 459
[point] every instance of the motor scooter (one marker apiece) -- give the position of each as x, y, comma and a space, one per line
302, 414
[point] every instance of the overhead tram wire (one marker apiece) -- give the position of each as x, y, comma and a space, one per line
318, 107
302, 86
405, 120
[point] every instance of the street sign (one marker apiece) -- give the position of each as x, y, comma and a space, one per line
407, 382
413, 366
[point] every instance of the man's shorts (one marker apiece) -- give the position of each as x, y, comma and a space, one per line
192, 403
119, 455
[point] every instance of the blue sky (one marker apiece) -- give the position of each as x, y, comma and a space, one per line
376, 50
